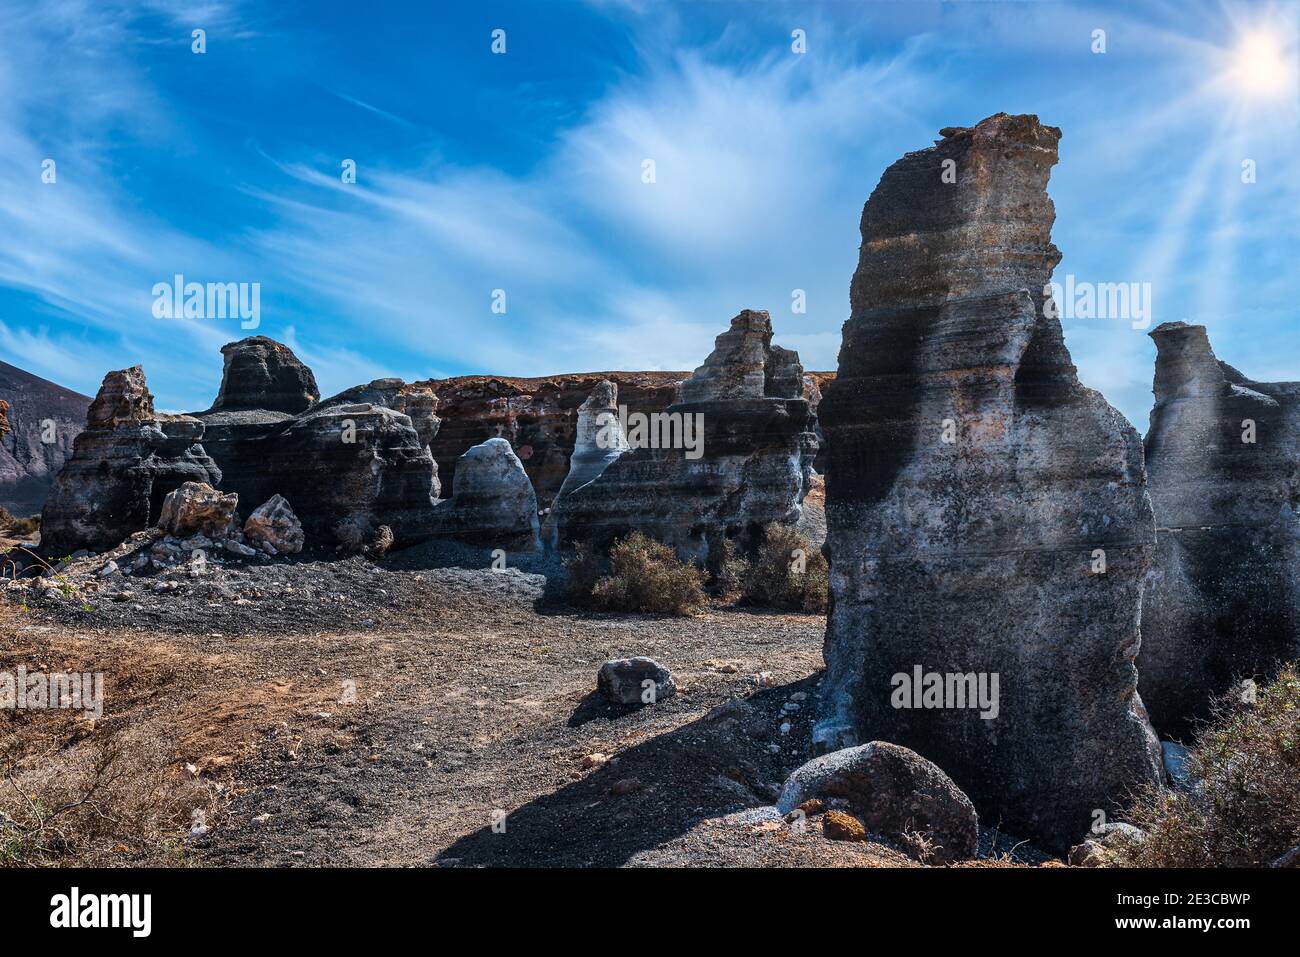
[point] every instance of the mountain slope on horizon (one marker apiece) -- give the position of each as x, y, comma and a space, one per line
39, 410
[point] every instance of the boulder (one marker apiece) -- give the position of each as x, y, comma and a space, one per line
987, 515
894, 791
492, 502
123, 465
196, 508
1222, 602
1106, 845
624, 681
273, 523
729, 457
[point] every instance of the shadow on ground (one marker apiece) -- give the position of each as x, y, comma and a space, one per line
651, 793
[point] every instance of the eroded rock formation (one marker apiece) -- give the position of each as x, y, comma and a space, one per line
261, 373
987, 514
492, 501
346, 465
123, 464
599, 437
538, 417
730, 456
1223, 465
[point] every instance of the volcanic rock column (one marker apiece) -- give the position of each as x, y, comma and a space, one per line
1223, 460
987, 515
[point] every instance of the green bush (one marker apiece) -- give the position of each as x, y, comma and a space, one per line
1244, 810
788, 573
644, 576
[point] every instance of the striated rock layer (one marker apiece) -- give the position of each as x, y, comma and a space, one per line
972, 489
743, 458
1223, 463
122, 467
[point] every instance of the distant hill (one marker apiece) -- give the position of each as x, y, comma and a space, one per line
27, 464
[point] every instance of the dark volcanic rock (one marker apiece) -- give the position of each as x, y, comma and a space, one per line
628, 680
346, 465
44, 419
122, 466
894, 791
1223, 599
260, 373
347, 469
973, 486
746, 466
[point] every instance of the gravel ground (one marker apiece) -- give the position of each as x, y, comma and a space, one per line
426, 710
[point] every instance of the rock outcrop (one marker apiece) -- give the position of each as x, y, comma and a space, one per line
729, 457
123, 464
987, 514
44, 420
1223, 466
349, 463
492, 502
598, 439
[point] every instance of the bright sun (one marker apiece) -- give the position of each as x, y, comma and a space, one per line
1260, 65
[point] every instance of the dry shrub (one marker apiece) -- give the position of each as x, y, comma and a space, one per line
775, 579
730, 569
16, 527
584, 568
83, 803
646, 576
1245, 809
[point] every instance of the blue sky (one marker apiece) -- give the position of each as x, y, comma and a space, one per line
523, 172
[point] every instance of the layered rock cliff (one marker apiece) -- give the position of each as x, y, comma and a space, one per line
44, 420
1223, 464
728, 457
987, 514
